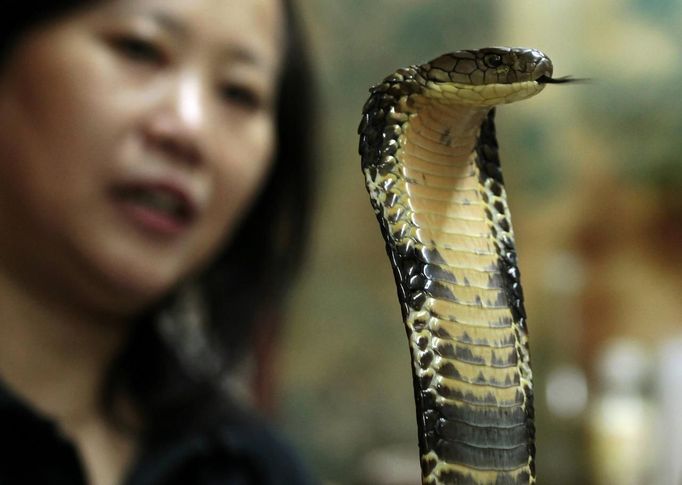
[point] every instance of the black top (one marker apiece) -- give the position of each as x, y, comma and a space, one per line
229, 453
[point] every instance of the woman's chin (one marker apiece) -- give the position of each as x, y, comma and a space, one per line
127, 275
128, 286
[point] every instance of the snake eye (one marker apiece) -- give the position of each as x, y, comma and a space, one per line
493, 60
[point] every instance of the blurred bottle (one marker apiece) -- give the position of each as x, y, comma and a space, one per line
621, 417
669, 440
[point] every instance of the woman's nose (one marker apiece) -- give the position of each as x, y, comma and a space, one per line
175, 127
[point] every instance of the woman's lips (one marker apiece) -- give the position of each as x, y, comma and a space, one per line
158, 208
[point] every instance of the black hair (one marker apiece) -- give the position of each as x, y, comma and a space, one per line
245, 281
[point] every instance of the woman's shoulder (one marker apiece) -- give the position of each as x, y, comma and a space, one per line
244, 451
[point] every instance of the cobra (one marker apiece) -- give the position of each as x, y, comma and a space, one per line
430, 160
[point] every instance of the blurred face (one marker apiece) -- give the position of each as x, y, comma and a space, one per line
135, 134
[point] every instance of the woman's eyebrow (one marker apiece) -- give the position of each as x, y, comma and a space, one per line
168, 22
243, 55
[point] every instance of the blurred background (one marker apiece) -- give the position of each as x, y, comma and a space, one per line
594, 176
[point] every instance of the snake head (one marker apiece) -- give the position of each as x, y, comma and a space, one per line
490, 65
488, 76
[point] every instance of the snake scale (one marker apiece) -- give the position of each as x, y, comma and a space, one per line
430, 160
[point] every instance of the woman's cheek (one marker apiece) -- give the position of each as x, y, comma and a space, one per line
252, 160
240, 174
255, 172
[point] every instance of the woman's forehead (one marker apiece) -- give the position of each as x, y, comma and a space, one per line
259, 24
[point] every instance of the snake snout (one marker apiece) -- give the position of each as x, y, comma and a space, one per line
532, 64
542, 70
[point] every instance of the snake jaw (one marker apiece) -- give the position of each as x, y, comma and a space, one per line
484, 96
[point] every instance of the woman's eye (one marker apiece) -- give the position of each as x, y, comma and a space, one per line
242, 96
139, 50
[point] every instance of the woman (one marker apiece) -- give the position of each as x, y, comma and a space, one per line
153, 193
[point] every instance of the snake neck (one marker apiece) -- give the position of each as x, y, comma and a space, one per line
433, 173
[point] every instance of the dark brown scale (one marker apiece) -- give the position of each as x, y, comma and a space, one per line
388, 183
416, 300
426, 359
430, 255
504, 224
464, 354
434, 272
431, 422
481, 436
417, 281
487, 417
448, 370
445, 349
496, 189
391, 199
423, 342
494, 459
396, 216
510, 361
437, 290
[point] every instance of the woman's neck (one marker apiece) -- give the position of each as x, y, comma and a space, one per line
52, 354
54, 357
